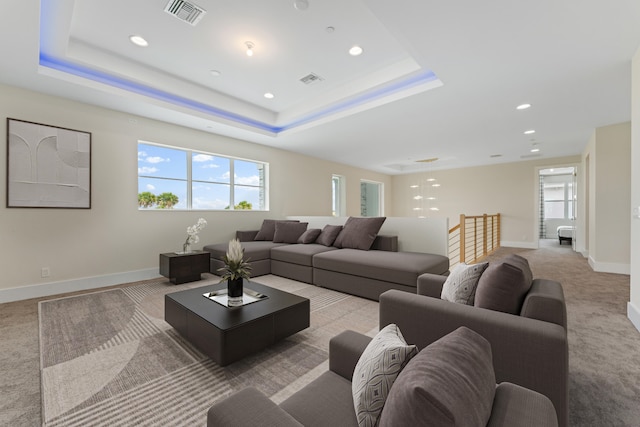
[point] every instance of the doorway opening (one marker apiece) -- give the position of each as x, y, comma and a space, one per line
557, 192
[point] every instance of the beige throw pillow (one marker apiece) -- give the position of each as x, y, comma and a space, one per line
460, 287
375, 372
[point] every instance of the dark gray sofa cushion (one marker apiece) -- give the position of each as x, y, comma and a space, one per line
299, 253
395, 267
504, 285
309, 236
328, 234
359, 233
268, 229
516, 406
449, 383
289, 232
327, 401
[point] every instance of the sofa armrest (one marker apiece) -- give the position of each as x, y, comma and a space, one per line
516, 406
545, 301
430, 285
344, 352
527, 352
246, 235
248, 407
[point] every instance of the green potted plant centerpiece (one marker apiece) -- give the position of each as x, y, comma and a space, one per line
235, 270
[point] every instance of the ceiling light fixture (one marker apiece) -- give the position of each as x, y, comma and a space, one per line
535, 150
269, 95
529, 132
523, 106
356, 51
250, 47
301, 4
138, 41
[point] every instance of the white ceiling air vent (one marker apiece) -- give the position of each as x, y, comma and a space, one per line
311, 78
185, 11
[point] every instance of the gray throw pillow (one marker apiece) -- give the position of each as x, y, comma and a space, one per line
359, 233
309, 236
449, 383
375, 372
329, 234
268, 229
504, 285
289, 232
460, 286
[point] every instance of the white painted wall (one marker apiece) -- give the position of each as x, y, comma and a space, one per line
633, 308
608, 152
114, 242
506, 188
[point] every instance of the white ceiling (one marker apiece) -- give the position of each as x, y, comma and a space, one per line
436, 79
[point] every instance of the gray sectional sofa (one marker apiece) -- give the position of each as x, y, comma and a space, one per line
352, 258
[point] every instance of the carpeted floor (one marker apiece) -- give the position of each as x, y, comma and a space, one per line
604, 347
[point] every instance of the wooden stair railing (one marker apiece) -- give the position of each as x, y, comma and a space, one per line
474, 238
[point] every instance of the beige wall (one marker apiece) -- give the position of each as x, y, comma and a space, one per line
114, 237
634, 305
608, 153
509, 189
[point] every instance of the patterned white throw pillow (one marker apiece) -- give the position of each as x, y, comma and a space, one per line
375, 372
460, 286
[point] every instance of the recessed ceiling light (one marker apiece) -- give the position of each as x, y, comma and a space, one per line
138, 41
356, 51
535, 150
215, 73
413, 186
301, 4
434, 209
529, 132
523, 106
431, 198
268, 95
435, 185
430, 179
417, 198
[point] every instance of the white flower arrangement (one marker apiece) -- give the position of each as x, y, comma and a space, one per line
192, 233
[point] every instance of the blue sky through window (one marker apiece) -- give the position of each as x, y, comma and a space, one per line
162, 169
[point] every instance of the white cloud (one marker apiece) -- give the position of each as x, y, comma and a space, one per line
151, 187
199, 203
248, 180
146, 170
210, 166
157, 160
202, 158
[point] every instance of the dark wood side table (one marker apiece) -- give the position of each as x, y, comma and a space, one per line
183, 268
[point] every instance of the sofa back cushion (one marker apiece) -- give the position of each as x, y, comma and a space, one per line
449, 383
328, 234
289, 232
359, 233
268, 229
309, 236
504, 285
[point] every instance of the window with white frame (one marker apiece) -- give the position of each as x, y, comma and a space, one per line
174, 178
371, 197
338, 196
558, 197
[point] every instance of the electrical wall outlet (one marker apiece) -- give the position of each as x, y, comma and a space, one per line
45, 272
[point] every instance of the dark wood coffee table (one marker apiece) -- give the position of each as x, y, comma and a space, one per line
227, 334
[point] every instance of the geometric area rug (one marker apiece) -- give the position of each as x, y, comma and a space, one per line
107, 360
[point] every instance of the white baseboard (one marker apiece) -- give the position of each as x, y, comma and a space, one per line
54, 288
523, 245
634, 315
609, 267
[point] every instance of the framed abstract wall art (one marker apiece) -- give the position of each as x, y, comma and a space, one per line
47, 166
